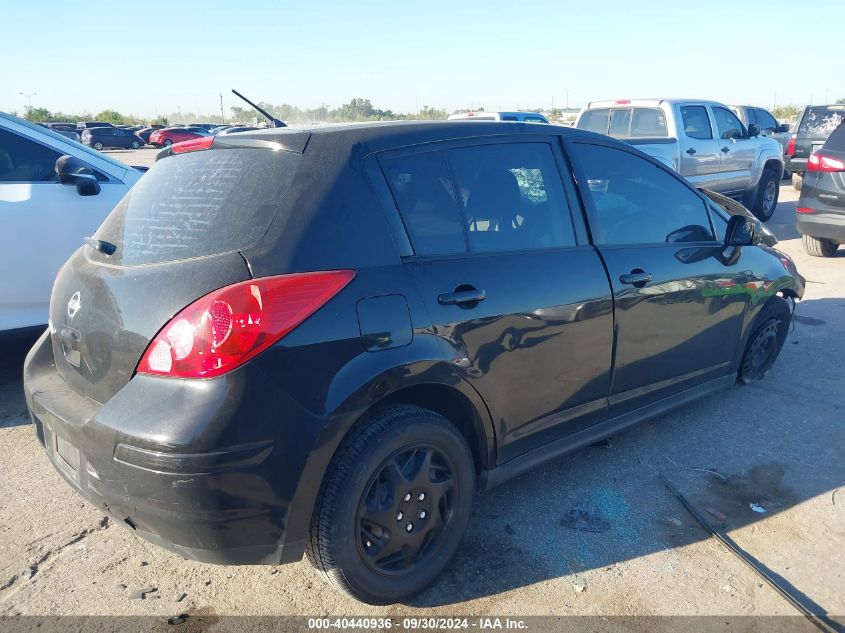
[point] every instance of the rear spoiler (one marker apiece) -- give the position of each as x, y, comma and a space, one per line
280, 140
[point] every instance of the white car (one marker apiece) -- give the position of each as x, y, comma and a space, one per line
47, 207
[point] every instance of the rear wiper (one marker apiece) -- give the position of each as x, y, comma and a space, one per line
107, 248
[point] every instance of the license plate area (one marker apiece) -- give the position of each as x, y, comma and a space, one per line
67, 453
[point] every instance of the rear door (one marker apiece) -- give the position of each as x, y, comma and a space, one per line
738, 152
676, 326
522, 308
700, 156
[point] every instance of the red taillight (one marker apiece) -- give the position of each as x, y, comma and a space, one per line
820, 162
805, 210
790, 149
203, 142
224, 329
623, 102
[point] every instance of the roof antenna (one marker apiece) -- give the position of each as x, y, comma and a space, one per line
273, 120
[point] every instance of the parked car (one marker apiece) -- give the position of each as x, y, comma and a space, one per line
170, 135
814, 126
84, 125
459, 311
820, 214
220, 128
234, 129
53, 192
74, 136
105, 137
765, 121
55, 126
206, 126
483, 115
702, 140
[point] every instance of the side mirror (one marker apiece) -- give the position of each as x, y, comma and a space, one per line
72, 171
783, 127
753, 130
741, 231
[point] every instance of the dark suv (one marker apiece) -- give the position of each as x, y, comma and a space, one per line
325, 342
821, 208
103, 137
813, 128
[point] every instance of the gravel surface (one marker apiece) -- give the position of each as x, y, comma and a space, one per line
778, 444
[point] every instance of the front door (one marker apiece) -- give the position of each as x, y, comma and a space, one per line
43, 223
521, 309
676, 324
738, 152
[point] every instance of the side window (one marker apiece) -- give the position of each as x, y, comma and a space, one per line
728, 125
512, 197
751, 115
509, 117
534, 119
696, 122
595, 120
422, 189
637, 202
23, 160
765, 120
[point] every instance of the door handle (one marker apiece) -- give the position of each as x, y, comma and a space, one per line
726, 149
465, 297
691, 151
636, 277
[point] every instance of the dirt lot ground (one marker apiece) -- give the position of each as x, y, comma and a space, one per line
779, 444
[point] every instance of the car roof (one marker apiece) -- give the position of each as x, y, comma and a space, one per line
646, 103
379, 136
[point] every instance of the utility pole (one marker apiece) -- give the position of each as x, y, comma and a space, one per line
826, 91
222, 116
567, 98
29, 96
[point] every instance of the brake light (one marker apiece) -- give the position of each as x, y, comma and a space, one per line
623, 102
805, 210
224, 329
790, 149
820, 162
193, 145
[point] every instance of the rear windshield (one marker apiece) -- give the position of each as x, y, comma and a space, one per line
198, 204
820, 122
836, 141
625, 122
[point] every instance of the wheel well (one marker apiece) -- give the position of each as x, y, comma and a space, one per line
776, 166
789, 293
451, 404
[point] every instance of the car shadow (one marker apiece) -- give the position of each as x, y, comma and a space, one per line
13, 410
750, 445
782, 223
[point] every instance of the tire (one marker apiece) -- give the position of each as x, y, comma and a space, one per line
766, 195
403, 466
167, 143
797, 181
136, 145
98, 146
819, 246
765, 342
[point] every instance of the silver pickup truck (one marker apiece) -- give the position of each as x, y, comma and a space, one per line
704, 141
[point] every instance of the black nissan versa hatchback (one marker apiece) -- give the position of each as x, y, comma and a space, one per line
326, 342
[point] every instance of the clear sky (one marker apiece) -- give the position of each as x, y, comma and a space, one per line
152, 57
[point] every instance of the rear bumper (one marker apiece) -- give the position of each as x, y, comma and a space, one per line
207, 469
827, 226
792, 165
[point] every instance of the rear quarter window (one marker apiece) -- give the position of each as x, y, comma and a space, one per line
836, 141
199, 204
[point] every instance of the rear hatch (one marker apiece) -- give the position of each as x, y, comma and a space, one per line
816, 125
824, 182
177, 233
